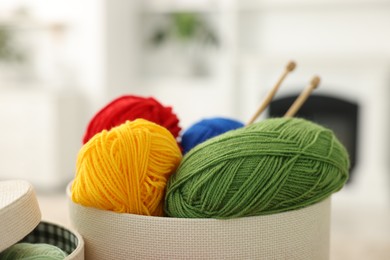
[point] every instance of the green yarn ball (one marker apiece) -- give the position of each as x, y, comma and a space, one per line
27, 251
269, 167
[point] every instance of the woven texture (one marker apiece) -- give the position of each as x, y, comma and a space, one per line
299, 234
68, 241
19, 211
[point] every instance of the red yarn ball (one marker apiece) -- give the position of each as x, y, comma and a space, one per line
131, 107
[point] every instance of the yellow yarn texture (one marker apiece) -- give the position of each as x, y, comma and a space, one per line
126, 169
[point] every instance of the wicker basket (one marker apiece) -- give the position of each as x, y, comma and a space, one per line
298, 234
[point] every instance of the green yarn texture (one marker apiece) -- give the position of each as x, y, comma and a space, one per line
27, 251
273, 166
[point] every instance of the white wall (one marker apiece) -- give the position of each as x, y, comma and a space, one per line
98, 56
43, 118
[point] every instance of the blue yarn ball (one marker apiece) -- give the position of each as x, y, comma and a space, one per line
206, 129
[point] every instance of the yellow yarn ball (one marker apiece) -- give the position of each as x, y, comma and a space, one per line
126, 169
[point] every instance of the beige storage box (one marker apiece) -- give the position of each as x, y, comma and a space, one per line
20, 219
299, 234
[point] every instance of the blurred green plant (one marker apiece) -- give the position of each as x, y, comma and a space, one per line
8, 50
185, 28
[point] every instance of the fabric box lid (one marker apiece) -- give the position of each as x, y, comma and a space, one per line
20, 221
19, 211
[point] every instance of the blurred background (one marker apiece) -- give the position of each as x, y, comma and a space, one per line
61, 61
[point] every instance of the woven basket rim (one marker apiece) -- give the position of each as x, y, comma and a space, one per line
184, 220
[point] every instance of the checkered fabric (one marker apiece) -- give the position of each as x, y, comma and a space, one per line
54, 235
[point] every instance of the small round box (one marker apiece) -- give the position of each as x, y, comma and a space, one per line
298, 234
20, 219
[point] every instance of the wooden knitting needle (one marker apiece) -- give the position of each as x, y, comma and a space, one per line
302, 97
290, 67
